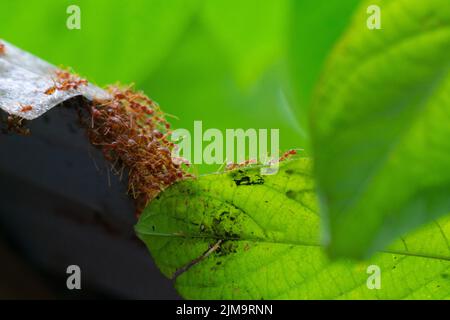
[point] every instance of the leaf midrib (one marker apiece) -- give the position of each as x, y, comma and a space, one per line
266, 241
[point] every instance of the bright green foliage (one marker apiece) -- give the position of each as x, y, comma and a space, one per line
380, 126
118, 40
266, 233
314, 29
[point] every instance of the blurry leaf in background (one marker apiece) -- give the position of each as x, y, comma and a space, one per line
251, 34
380, 126
219, 238
118, 41
314, 29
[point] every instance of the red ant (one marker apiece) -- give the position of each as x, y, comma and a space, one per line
2, 48
232, 165
50, 91
288, 154
25, 109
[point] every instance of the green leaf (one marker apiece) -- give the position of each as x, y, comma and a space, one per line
241, 235
311, 40
380, 126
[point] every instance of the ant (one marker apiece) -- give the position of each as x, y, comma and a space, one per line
50, 91
232, 165
287, 155
2, 48
25, 109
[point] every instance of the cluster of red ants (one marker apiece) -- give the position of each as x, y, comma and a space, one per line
132, 132
66, 81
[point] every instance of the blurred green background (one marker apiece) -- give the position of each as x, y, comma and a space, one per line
229, 63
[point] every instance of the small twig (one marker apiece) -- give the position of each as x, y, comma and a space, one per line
197, 260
